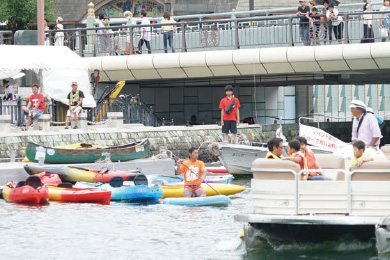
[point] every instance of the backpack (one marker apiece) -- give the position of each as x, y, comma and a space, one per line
231, 107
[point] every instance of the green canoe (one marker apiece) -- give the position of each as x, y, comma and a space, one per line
89, 154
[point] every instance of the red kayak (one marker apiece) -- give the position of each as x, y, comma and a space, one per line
64, 192
217, 169
49, 178
31, 191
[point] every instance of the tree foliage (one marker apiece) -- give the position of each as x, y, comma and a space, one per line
22, 14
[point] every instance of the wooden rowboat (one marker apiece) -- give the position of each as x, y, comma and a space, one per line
88, 153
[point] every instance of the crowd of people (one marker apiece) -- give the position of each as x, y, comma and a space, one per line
320, 24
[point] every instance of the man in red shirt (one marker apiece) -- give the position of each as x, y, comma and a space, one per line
230, 114
35, 106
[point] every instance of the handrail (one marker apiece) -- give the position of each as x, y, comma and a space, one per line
335, 117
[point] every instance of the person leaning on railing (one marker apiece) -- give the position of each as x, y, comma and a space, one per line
337, 23
168, 31
385, 20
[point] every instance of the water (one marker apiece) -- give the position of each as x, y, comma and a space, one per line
124, 231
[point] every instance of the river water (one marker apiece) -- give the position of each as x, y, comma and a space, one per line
124, 231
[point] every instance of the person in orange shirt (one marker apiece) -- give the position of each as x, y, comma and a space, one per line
194, 173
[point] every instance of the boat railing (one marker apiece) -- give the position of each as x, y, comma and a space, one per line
363, 192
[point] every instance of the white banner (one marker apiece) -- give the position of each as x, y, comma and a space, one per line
320, 138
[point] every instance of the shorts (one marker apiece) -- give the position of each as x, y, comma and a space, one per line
77, 111
37, 113
229, 125
191, 190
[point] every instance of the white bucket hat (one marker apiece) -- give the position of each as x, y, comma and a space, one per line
358, 104
369, 110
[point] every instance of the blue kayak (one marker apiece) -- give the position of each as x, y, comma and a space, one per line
129, 193
217, 201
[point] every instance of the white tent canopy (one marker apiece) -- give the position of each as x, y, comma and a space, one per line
59, 66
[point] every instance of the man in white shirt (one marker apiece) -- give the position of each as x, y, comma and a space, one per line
365, 126
146, 34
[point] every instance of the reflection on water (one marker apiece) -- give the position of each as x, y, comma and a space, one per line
124, 231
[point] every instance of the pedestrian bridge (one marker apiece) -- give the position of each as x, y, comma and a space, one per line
349, 63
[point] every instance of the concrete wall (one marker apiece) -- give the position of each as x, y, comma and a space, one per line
177, 138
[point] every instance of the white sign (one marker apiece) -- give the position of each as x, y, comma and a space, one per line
40, 153
319, 138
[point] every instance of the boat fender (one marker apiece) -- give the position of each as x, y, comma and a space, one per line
215, 151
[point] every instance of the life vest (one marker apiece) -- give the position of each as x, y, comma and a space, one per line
273, 156
304, 175
355, 160
75, 97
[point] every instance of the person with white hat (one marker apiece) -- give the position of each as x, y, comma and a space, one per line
59, 36
365, 126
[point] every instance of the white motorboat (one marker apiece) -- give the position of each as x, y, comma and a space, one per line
288, 210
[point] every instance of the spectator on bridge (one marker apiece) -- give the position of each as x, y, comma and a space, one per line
59, 36
337, 23
35, 106
303, 11
315, 19
146, 34
168, 31
326, 24
46, 29
76, 98
365, 126
368, 33
9, 94
130, 21
385, 20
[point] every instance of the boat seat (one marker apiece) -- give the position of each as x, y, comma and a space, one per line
377, 164
331, 161
20, 184
34, 181
140, 179
116, 182
262, 163
65, 185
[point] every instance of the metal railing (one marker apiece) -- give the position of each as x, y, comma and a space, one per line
134, 111
238, 33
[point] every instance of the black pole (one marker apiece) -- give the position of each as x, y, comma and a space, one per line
251, 6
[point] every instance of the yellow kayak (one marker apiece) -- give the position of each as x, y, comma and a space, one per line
223, 188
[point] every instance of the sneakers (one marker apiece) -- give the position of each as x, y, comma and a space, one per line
75, 127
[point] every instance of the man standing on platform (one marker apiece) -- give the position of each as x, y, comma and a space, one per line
194, 173
365, 126
75, 101
230, 114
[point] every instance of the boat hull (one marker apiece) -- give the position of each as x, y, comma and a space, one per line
261, 235
25, 194
131, 194
216, 201
223, 189
55, 155
79, 195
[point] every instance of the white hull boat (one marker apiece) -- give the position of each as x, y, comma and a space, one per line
288, 210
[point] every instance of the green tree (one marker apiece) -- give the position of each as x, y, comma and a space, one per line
22, 14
